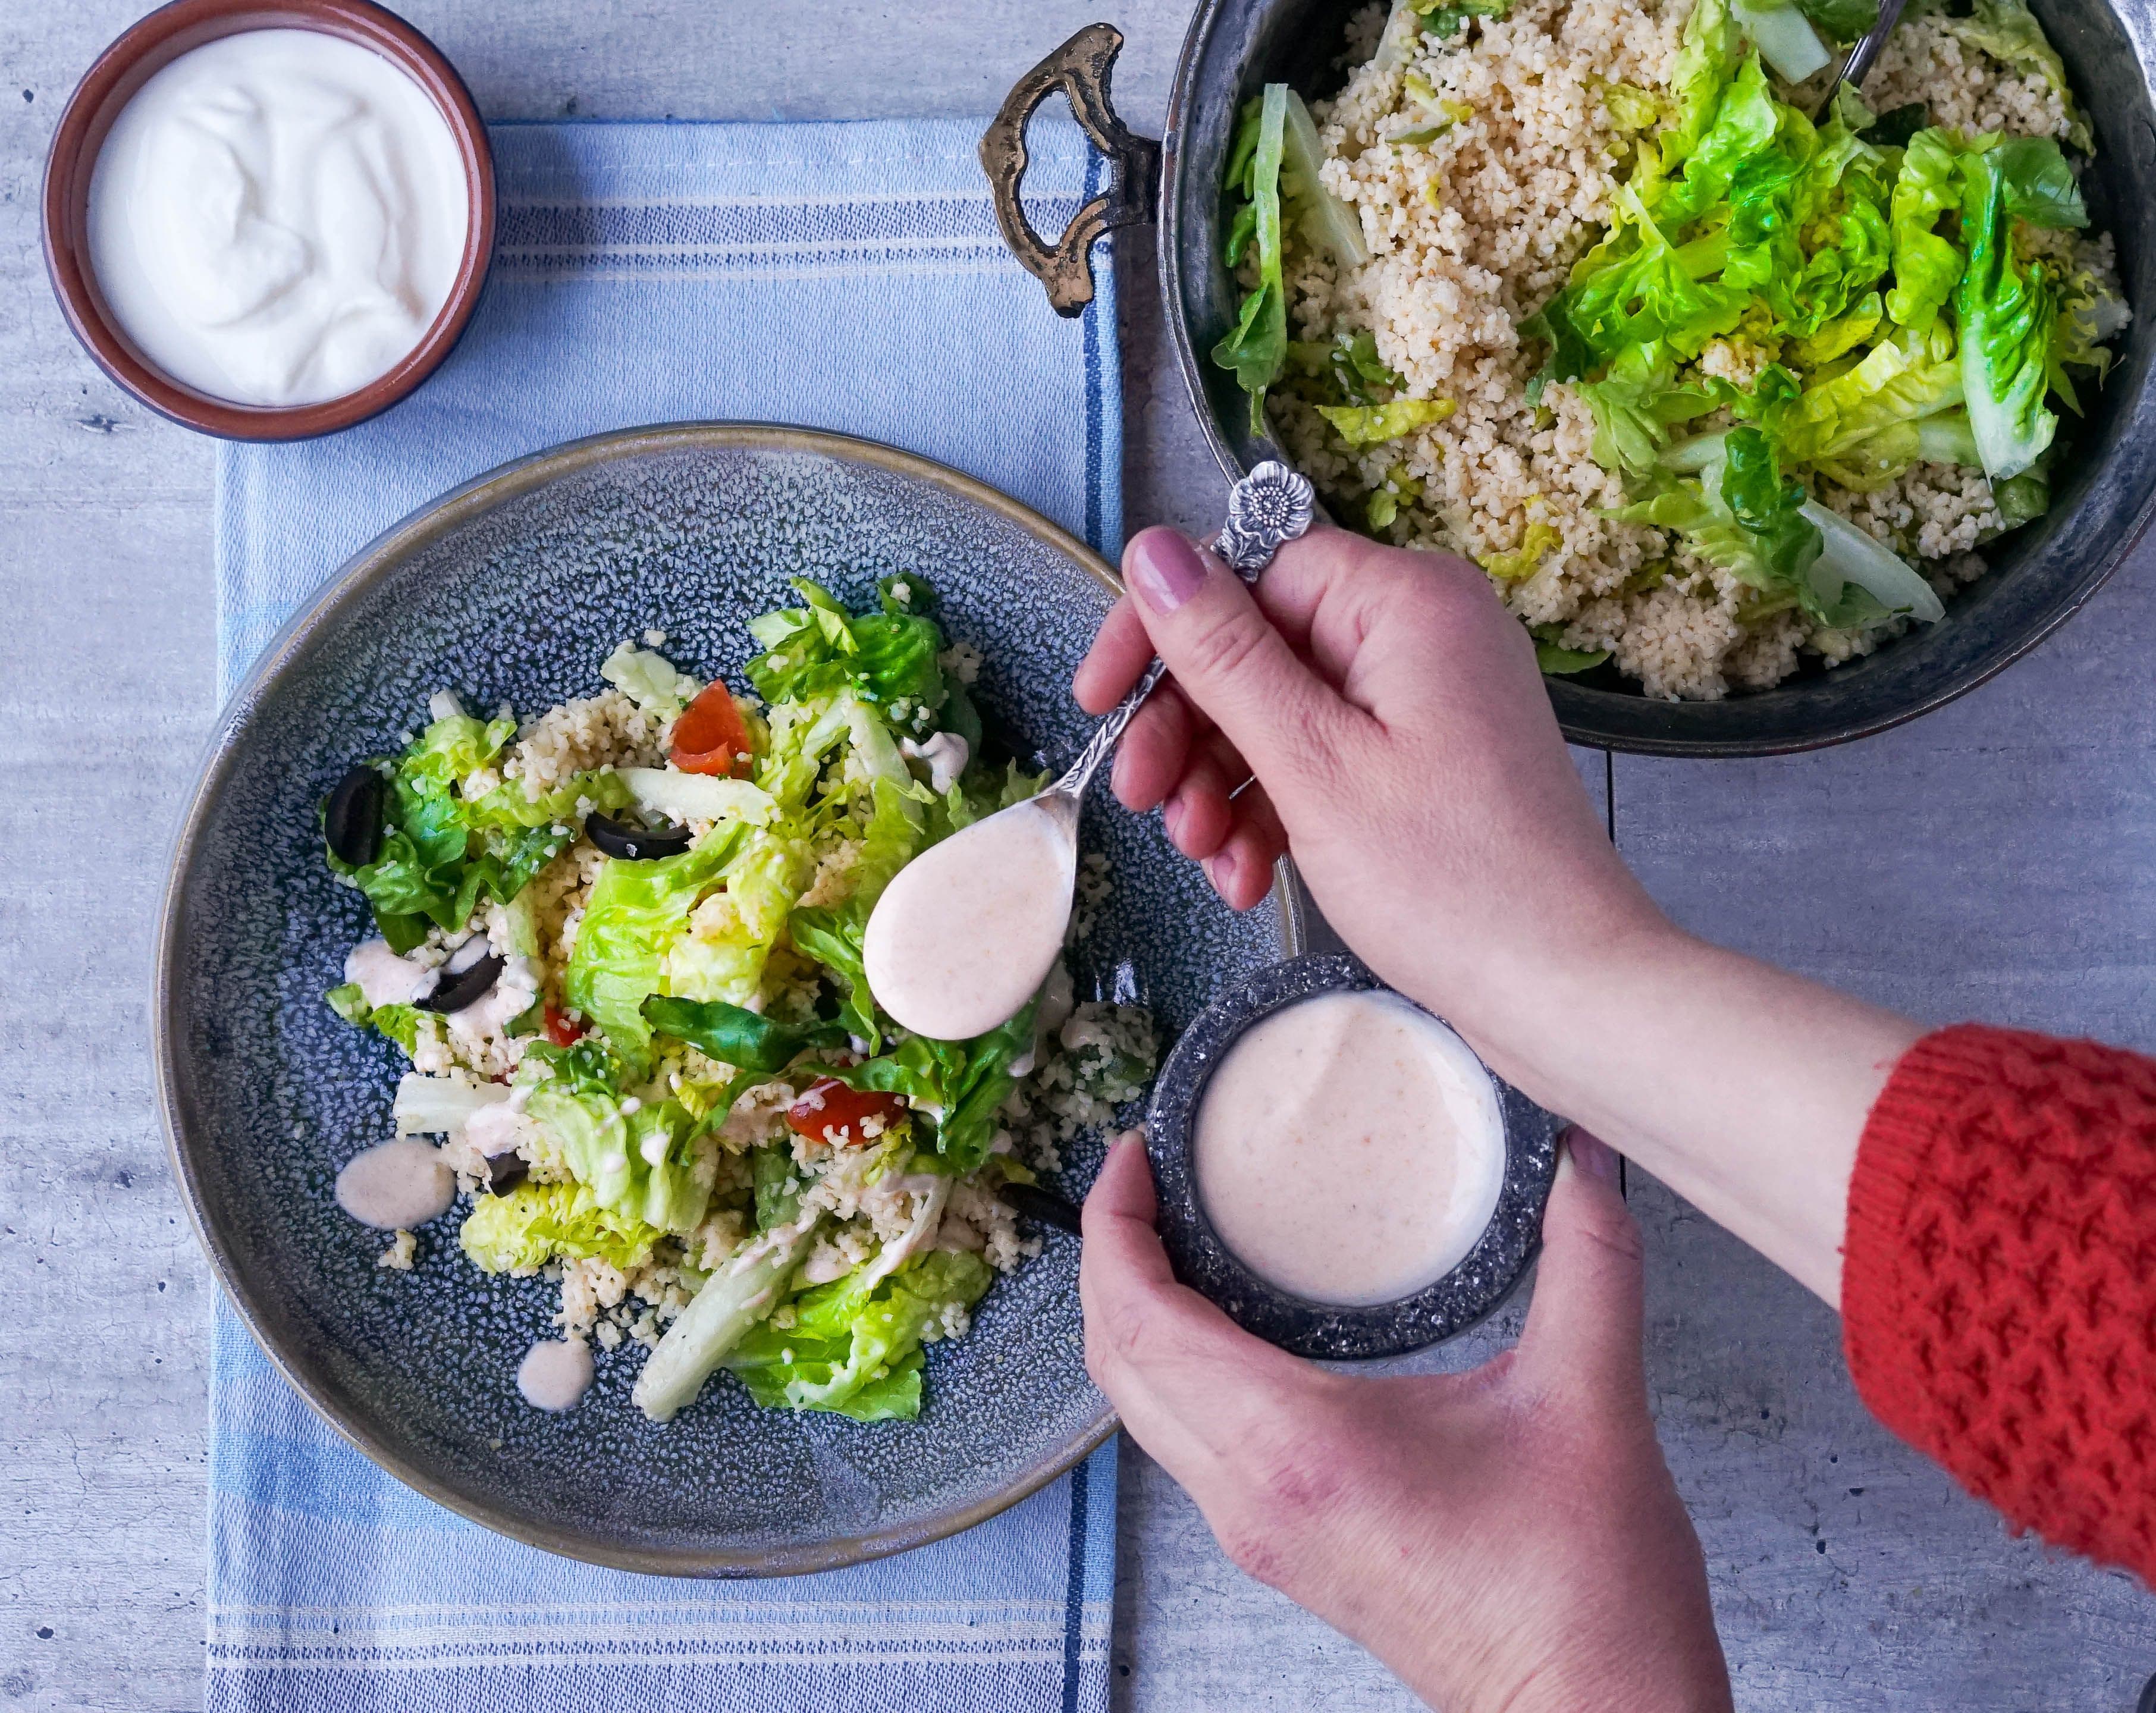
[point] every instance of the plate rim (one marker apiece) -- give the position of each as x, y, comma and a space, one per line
360, 572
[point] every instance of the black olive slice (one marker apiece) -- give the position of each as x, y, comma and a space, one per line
454, 992
1042, 1207
632, 842
504, 1172
352, 822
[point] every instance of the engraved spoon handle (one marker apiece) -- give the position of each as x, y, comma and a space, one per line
1270, 506
1858, 65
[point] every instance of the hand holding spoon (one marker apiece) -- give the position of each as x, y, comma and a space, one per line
968, 931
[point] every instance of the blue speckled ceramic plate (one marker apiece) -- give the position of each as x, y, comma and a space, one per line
1467, 1296
513, 589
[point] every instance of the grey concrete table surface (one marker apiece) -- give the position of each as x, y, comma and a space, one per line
1991, 861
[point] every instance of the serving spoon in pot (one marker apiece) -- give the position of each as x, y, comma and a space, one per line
966, 932
1858, 65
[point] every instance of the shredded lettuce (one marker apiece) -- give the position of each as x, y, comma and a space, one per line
855, 1347
733, 1035
1783, 36
650, 680
635, 1160
819, 650
2006, 313
1369, 424
956, 1088
1321, 216
396, 1022
442, 853
538, 1223
1256, 348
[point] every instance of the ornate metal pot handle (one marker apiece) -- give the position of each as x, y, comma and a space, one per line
1081, 68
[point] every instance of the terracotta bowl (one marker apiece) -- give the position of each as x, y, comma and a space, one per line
122, 69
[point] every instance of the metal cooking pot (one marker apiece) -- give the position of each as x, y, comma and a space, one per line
2103, 492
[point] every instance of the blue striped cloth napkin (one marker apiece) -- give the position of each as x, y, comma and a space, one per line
847, 277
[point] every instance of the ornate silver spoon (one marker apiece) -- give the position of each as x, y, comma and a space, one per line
966, 932
1271, 505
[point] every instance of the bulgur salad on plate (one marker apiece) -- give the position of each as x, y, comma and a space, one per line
620, 945
1716, 369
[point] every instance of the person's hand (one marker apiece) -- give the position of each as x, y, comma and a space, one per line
1401, 742
1507, 1538
1404, 750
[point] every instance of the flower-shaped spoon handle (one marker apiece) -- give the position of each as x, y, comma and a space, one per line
1268, 506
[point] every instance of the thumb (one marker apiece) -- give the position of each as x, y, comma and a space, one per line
1583, 1327
1225, 654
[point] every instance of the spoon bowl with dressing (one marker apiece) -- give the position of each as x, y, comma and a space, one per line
269, 219
1339, 1170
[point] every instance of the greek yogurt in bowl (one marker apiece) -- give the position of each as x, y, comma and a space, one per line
278, 217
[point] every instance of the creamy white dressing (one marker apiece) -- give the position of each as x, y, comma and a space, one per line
1350, 1149
499, 1129
970, 928
276, 218
384, 978
947, 754
556, 1373
395, 1186
491, 1014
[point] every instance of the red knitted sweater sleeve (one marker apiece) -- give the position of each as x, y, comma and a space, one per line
1999, 1286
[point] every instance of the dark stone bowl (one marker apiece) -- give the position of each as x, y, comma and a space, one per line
2103, 477
1468, 1295
512, 589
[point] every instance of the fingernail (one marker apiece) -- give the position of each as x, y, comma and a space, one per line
1595, 1158
1165, 569
1220, 870
1172, 817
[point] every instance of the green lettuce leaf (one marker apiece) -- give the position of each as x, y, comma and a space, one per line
820, 650
1705, 60
538, 1223
1850, 560
1899, 381
743, 1038
2090, 314
442, 854
777, 1187
637, 911
1636, 404
1782, 33
1256, 348
956, 1088
1559, 662
1841, 20
637, 1163
1927, 267
723, 953
396, 1022
855, 1351
1767, 507
1444, 18
650, 680
2007, 313
1320, 216
1371, 424
2039, 186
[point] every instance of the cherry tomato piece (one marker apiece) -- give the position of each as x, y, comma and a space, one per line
829, 1111
562, 1029
710, 737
